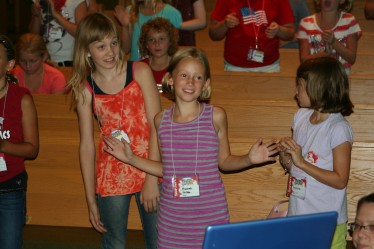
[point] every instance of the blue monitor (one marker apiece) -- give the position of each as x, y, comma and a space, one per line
312, 231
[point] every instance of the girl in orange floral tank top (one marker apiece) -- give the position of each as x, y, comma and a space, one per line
123, 97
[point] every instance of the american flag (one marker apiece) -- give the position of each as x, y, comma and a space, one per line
250, 16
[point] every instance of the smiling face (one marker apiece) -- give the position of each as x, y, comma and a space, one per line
364, 239
105, 53
189, 79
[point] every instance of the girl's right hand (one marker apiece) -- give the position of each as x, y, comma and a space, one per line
122, 15
95, 218
231, 20
119, 149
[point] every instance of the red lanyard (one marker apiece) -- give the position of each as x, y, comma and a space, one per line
257, 30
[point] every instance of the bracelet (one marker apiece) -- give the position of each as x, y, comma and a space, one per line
284, 164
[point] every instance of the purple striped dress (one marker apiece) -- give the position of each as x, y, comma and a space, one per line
182, 221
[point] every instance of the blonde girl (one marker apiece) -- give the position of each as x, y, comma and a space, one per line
194, 145
123, 98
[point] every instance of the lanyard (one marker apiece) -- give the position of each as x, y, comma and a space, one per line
256, 30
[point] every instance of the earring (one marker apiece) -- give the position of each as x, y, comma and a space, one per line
88, 55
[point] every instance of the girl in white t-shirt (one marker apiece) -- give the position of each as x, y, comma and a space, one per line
318, 155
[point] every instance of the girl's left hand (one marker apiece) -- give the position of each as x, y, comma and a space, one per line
328, 37
294, 150
272, 30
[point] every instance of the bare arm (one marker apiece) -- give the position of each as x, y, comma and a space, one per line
218, 29
92, 7
29, 148
348, 52
259, 152
338, 178
199, 20
123, 17
122, 151
36, 18
150, 194
284, 32
71, 28
87, 157
304, 52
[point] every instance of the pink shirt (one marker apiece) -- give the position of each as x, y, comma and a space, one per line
53, 80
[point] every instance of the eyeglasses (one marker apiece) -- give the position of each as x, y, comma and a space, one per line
353, 227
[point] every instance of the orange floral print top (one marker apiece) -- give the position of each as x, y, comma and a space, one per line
125, 111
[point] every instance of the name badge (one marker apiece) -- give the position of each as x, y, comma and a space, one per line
296, 187
2, 163
120, 134
55, 33
186, 187
255, 55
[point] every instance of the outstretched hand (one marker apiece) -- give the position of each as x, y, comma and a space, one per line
119, 149
261, 152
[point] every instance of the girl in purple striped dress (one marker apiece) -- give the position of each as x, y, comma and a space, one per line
194, 145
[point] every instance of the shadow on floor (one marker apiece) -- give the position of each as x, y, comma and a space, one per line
50, 237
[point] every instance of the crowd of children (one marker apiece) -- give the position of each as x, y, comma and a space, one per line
170, 160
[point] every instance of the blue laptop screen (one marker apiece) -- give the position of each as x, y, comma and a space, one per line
312, 231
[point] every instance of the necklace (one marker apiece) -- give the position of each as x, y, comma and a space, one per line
5, 85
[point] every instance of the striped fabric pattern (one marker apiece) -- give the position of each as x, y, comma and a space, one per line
182, 221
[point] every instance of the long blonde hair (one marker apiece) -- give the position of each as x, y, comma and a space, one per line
94, 27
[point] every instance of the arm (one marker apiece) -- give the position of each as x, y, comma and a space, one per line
80, 12
304, 53
338, 178
218, 29
87, 157
123, 17
30, 147
150, 193
284, 32
36, 18
92, 7
369, 9
199, 21
259, 153
348, 53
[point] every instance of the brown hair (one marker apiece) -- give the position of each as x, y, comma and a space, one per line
327, 85
31, 43
158, 24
